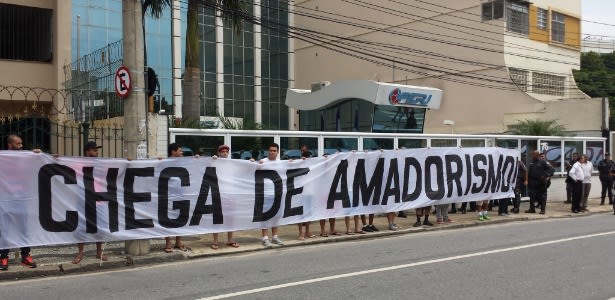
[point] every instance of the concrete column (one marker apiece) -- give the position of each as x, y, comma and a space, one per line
176, 62
258, 96
220, 64
135, 103
293, 118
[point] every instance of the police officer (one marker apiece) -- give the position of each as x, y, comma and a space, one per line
520, 183
606, 167
537, 175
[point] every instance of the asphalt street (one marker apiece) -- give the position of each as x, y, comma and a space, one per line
571, 258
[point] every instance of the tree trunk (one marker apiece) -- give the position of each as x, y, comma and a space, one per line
191, 87
191, 84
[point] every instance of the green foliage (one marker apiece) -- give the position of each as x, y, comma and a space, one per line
538, 128
597, 77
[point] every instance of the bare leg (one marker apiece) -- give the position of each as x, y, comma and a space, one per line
99, 252
79, 255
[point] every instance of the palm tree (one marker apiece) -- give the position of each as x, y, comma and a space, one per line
539, 128
230, 11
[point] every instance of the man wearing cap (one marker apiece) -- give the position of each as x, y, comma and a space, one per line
223, 152
90, 149
14, 142
606, 167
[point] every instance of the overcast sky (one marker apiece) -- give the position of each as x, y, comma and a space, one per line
599, 11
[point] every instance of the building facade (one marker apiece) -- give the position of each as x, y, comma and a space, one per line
497, 62
244, 75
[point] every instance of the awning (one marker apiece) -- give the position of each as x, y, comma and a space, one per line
326, 94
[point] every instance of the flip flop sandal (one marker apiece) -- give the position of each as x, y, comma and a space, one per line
78, 258
215, 246
102, 257
168, 250
335, 233
233, 244
349, 233
181, 247
312, 236
324, 235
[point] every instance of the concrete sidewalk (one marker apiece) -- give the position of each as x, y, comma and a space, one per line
56, 260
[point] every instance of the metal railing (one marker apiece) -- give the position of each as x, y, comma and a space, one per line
247, 144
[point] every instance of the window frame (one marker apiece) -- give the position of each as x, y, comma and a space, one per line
558, 27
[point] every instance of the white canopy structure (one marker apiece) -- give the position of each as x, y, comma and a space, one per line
325, 94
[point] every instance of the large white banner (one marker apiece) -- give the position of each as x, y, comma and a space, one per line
46, 200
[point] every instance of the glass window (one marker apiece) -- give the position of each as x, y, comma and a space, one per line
201, 145
444, 143
508, 144
472, 143
548, 84
542, 19
377, 144
595, 152
553, 153
291, 146
517, 18
244, 147
25, 33
558, 27
519, 77
411, 143
333, 145
389, 118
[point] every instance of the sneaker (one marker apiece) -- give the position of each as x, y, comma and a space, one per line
427, 223
486, 217
367, 228
440, 221
4, 263
278, 241
481, 218
267, 243
27, 261
417, 224
393, 227
373, 228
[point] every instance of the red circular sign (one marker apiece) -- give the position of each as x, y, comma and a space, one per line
123, 82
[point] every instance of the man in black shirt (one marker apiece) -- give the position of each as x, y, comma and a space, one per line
538, 172
606, 167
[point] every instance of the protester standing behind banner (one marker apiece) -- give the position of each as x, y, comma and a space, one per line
90, 150
223, 152
175, 150
15, 142
274, 149
305, 154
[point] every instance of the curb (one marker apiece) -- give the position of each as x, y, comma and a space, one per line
132, 262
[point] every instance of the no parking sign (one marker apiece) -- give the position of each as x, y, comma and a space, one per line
123, 83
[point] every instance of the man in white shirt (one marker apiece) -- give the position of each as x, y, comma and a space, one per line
577, 176
274, 149
587, 168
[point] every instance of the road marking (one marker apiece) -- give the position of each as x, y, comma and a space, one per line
404, 266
